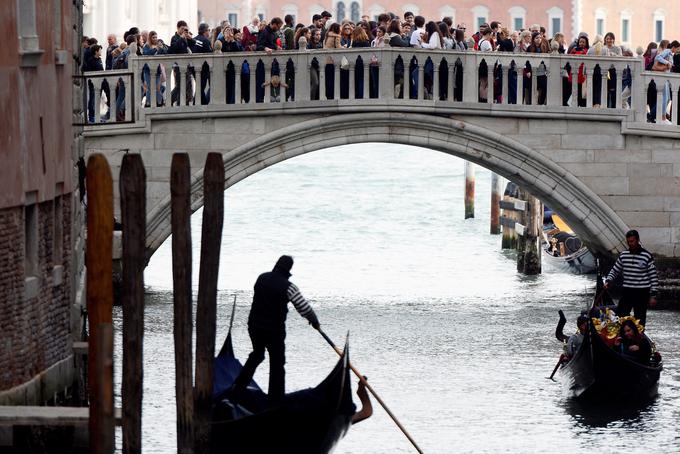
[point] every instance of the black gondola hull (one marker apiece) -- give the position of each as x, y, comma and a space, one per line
307, 421
596, 370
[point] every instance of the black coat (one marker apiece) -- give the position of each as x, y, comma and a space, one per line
201, 45
179, 44
266, 38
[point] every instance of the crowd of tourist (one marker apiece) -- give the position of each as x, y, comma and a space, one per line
391, 30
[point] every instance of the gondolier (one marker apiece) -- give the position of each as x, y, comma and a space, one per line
640, 280
267, 326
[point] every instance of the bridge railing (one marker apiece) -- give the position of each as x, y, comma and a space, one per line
109, 97
478, 82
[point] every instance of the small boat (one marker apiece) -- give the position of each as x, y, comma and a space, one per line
597, 370
564, 249
307, 421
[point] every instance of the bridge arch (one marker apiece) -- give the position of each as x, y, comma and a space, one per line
582, 208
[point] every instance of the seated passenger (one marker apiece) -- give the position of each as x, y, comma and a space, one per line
575, 340
631, 343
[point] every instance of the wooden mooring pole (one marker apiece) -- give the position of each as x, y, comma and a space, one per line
469, 190
99, 261
180, 189
206, 308
495, 227
532, 243
133, 217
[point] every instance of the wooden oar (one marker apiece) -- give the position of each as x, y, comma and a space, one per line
559, 361
370, 388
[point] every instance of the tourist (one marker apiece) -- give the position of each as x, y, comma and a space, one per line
485, 44
524, 42
505, 44
346, 34
302, 37
112, 44
395, 36
275, 92
201, 44
379, 40
360, 38
267, 326
675, 50
445, 33
288, 32
333, 39
154, 46
181, 41
418, 32
406, 31
581, 48
230, 42
640, 280
250, 32
609, 43
317, 22
575, 340
561, 41
539, 45
315, 40
93, 63
409, 18
216, 35
632, 343
459, 40
267, 37
432, 39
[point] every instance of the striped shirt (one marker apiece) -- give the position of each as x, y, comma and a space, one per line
637, 269
300, 303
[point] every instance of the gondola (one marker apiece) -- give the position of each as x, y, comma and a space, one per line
563, 249
307, 421
597, 371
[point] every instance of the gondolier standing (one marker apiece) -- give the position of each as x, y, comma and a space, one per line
267, 326
640, 280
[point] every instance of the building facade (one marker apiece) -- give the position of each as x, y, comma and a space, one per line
40, 216
104, 17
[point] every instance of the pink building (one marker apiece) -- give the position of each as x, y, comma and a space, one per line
555, 15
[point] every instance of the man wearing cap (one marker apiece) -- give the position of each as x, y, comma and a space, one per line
267, 326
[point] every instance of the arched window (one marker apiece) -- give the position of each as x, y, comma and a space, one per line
340, 11
355, 13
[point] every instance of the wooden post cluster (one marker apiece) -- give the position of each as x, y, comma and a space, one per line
193, 403
522, 223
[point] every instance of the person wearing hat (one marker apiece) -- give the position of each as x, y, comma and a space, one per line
267, 326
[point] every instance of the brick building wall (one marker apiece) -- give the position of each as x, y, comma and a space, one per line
36, 330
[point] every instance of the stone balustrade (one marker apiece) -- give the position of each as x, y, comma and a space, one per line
395, 78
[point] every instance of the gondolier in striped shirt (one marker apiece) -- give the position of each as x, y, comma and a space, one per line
267, 326
640, 280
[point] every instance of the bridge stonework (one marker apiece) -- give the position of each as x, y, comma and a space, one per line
604, 169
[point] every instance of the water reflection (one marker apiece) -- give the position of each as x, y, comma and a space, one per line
607, 411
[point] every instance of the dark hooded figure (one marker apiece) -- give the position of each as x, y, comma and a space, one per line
267, 326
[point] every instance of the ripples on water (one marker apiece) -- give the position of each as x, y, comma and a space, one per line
451, 337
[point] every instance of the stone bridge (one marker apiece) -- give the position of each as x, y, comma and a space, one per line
603, 167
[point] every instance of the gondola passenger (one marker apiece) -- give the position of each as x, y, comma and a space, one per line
575, 340
632, 343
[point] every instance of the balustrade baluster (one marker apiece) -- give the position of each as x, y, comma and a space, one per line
421, 80
367, 82
252, 82
386, 75
151, 89
284, 91
605, 92
660, 108
352, 70
237, 84
451, 82
129, 96
554, 88
490, 92
183, 83
470, 78
674, 105
505, 83
336, 82
266, 95
574, 83
322, 81
589, 86
435, 82
97, 98
218, 81
534, 83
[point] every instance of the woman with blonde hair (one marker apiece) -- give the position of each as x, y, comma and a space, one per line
524, 42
